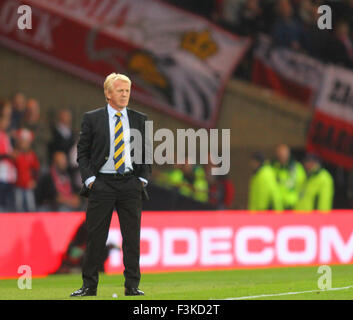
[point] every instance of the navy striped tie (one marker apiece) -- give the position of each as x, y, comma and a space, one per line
119, 155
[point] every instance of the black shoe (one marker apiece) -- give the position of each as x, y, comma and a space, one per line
84, 292
134, 292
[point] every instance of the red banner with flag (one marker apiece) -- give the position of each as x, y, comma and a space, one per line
179, 63
331, 130
287, 72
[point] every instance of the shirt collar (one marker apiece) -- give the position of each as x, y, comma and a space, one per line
112, 112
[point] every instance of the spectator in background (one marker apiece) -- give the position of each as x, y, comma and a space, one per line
250, 19
200, 184
170, 178
27, 166
55, 191
187, 179
32, 114
341, 10
7, 167
290, 175
350, 188
287, 30
314, 39
18, 110
221, 188
6, 111
228, 13
349, 14
33, 121
264, 193
204, 8
63, 137
186, 186
305, 13
339, 48
193, 182
318, 191
222, 192
73, 167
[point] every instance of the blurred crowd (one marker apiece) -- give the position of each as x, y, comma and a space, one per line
196, 182
38, 169
39, 172
281, 183
290, 23
287, 184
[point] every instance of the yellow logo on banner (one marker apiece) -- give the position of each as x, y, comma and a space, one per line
199, 43
144, 65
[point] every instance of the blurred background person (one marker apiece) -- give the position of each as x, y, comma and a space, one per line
318, 191
27, 166
290, 175
221, 188
170, 177
204, 8
339, 48
73, 167
264, 192
6, 111
8, 172
18, 110
63, 137
55, 191
33, 120
287, 29
31, 115
221, 192
251, 18
186, 187
315, 39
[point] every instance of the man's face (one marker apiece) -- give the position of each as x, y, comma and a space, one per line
65, 117
4, 123
310, 165
24, 144
254, 164
283, 154
119, 94
19, 102
32, 110
60, 161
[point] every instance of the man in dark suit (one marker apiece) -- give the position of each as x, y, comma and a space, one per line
112, 179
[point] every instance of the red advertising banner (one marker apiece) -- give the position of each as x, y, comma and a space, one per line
38, 240
179, 63
186, 240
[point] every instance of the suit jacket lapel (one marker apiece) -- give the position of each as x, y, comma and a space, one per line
106, 124
132, 119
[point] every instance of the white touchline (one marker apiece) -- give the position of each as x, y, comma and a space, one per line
286, 293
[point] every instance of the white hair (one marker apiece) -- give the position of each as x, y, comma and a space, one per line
111, 78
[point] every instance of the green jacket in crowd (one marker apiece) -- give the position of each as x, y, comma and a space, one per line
291, 179
200, 185
317, 193
264, 193
196, 189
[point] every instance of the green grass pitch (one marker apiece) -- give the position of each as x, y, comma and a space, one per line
201, 285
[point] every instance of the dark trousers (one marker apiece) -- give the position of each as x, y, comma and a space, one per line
124, 195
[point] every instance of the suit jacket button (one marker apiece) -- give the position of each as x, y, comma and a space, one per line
106, 158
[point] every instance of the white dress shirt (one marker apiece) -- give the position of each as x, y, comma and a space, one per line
109, 166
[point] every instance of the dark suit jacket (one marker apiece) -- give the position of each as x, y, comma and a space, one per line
94, 145
60, 143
